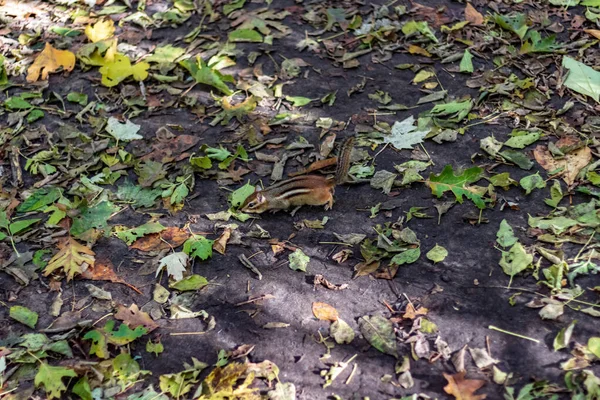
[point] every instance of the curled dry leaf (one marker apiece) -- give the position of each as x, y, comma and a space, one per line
570, 164
50, 60
463, 389
324, 312
221, 243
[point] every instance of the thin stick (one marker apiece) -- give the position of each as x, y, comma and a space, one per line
186, 333
513, 334
354, 366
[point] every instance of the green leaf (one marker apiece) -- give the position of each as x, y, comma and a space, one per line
422, 27
40, 199
82, 389
4, 223
515, 260
131, 235
298, 101
166, 54
245, 35
155, 348
561, 341
516, 23
437, 254
105, 335
466, 63
93, 217
51, 378
34, 115
24, 315
557, 225
518, 158
379, 332
192, 282
20, 226
204, 74
535, 44
232, 6
454, 111
594, 346
136, 195
76, 97
198, 246
556, 194
405, 135
17, 103
531, 182
236, 199
406, 257
447, 180
505, 235
298, 260
341, 332
124, 132
201, 162
581, 78
522, 139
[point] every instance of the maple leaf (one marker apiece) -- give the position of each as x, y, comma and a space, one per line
73, 258
51, 377
103, 336
207, 75
134, 317
405, 135
120, 68
175, 264
447, 180
101, 30
131, 235
463, 389
198, 246
50, 60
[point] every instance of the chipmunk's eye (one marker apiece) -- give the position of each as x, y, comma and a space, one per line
251, 204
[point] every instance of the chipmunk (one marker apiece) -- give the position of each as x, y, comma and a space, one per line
312, 190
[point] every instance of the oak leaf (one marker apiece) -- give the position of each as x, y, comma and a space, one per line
50, 60
73, 258
463, 389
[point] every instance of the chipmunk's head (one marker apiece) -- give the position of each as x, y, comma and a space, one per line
256, 203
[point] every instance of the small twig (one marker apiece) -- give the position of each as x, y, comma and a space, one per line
513, 334
186, 333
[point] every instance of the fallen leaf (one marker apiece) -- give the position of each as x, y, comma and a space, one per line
472, 15
324, 312
134, 317
50, 60
463, 389
594, 32
102, 270
73, 258
220, 244
169, 238
571, 164
101, 30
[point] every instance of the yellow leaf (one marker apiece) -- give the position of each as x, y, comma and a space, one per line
414, 49
324, 312
73, 258
50, 60
120, 69
101, 30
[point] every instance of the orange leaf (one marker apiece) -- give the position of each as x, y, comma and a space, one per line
50, 60
324, 312
170, 237
102, 270
463, 389
594, 32
472, 15
411, 313
571, 163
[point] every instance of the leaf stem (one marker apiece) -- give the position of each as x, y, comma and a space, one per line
492, 327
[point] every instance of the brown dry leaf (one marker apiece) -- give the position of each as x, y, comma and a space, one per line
221, 243
594, 32
324, 312
363, 269
320, 280
463, 389
472, 15
50, 60
342, 255
387, 272
277, 248
133, 317
169, 238
172, 149
412, 313
571, 164
102, 270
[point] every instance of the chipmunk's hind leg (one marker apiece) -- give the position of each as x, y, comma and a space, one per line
293, 212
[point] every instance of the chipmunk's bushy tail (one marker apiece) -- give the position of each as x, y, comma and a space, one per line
343, 161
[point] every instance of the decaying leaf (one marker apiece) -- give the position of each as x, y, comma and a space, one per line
463, 389
73, 258
50, 60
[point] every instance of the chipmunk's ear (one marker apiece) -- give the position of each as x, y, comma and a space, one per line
260, 198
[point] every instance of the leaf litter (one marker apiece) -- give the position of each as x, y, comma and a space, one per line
86, 183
